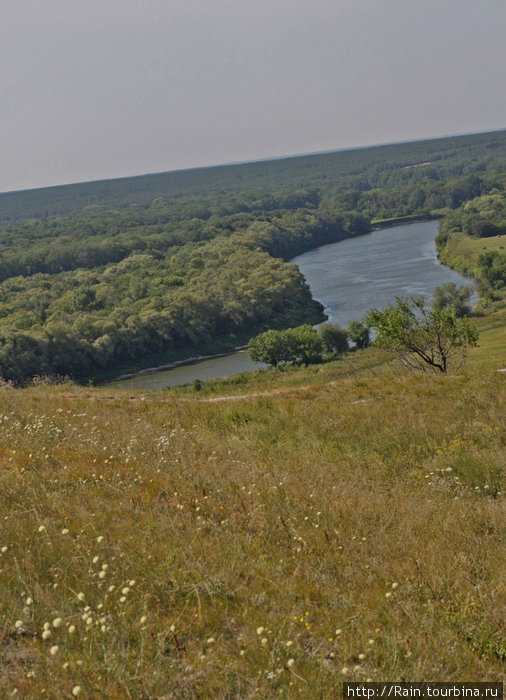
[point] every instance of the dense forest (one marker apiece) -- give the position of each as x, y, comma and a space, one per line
358, 170
177, 263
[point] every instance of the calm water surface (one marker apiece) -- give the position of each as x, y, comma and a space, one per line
348, 278
352, 276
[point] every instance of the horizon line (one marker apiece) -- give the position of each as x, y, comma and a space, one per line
255, 160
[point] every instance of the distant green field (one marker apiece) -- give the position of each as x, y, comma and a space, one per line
462, 251
472, 247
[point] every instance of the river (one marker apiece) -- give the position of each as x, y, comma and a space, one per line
348, 278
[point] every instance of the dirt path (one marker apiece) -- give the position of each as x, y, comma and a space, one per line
119, 396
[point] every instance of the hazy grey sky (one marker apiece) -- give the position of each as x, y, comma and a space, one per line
103, 88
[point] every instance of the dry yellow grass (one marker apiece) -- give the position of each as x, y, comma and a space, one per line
268, 547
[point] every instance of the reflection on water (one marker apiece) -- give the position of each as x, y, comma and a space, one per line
352, 276
207, 369
348, 278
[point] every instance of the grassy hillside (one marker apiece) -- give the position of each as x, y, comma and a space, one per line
462, 251
342, 522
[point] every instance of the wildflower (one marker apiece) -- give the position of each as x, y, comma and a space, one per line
344, 670
101, 574
122, 599
211, 640
29, 601
394, 585
263, 640
143, 619
46, 634
42, 528
65, 531
57, 622
125, 590
290, 662
361, 657
111, 588
132, 583
95, 559
100, 539
54, 650
260, 630
388, 594
72, 629
18, 624
289, 643
76, 690
80, 596
338, 632
371, 642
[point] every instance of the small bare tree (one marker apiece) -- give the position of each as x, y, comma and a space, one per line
423, 339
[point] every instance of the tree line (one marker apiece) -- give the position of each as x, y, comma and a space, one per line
422, 338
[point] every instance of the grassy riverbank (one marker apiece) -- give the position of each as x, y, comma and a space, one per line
462, 251
399, 220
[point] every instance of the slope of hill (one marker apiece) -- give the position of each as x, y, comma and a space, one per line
276, 545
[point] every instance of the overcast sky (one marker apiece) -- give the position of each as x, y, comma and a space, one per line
96, 89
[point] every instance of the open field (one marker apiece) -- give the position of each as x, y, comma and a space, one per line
462, 251
267, 547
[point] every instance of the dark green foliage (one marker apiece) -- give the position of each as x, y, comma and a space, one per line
424, 339
334, 338
492, 270
450, 296
480, 217
353, 171
300, 345
359, 334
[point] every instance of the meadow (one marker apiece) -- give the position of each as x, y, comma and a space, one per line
342, 522
463, 251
